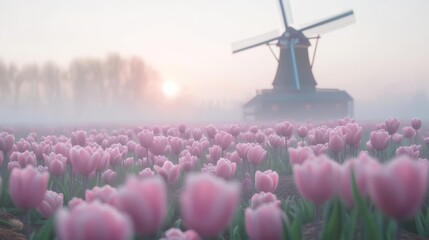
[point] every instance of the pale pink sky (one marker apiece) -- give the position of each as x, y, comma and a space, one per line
188, 41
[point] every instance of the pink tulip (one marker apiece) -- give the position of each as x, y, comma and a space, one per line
63, 149
261, 138
146, 173
284, 129
79, 138
147, 211
159, 160
188, 162
379, 140
1, 158
276, 141
397, 138
311, 175
209, 168
93, 221
263, 198
247, 184
416, 123
123, 139
13, 164
128, 162
187, 134
56, 163
6, 142
108, 176
131, 145
353, 134
40, 149
196, 149
408, 132
74, 202
145, 138
115, 156
25, 158
102, 194
336, 142
176, 145
177, 234
102, 159
50, 204
215, 152
302, 131
361, 166
399, 188
169, 172
27, 187
159, 145
249, 136
23, 145
412, 151
266, 181
392, 125
242, 149
211, 131
256, 154
265, 222
208, 203
320, 149
234, 130
426, 141
300, 154
225, 169
140, 151
234, 157
223, 139
83, 162
197, 134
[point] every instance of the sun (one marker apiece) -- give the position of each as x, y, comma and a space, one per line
170, 89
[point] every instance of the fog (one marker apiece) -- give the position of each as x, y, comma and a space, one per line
117, 89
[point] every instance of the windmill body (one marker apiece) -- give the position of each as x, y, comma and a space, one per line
294, 94
284, 78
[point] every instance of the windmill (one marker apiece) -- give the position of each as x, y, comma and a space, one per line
294, 92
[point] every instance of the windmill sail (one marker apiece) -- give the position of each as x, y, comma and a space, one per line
255, 41
286, 12
329, 24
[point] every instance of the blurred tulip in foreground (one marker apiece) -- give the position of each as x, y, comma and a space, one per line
208, 203
399, 188
309, 176
145, 201
27, 187
93, 221
264, 222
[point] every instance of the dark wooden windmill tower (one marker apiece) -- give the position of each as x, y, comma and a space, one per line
294, 94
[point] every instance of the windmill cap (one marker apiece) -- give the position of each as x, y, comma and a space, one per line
293, 34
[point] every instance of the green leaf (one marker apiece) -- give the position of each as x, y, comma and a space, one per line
332, 228
419, 224
46, 232
236, 233
364, 212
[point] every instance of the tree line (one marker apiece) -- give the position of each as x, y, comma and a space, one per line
86, 83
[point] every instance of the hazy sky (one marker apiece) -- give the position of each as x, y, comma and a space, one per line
188, 41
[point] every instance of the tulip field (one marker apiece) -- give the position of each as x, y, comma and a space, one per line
342, 180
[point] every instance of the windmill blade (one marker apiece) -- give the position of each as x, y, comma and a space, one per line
286, 12
255, 41
329, 24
